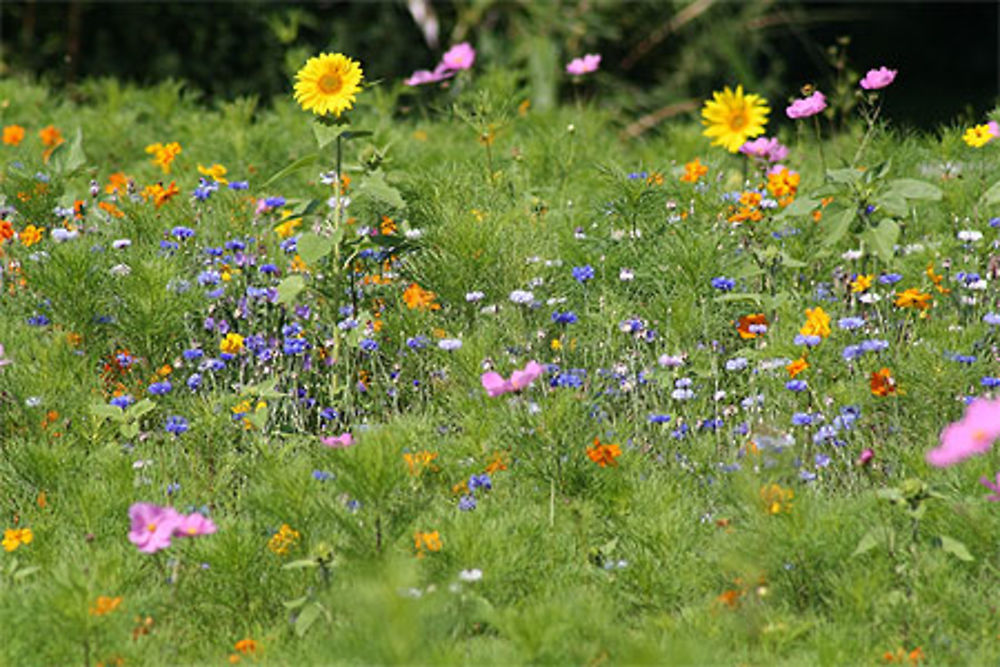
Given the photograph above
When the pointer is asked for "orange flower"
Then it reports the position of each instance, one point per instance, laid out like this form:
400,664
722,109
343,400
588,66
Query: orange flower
104,605
50,136
797,366
388,225
496,464
117,183
937,279
693,171
913,298
31,235
426,542
161,195
604,455
882,383
13,135
6,231
110,209
730,598
163,155
776,499
783,185
755,320
246,646
420,461
417,298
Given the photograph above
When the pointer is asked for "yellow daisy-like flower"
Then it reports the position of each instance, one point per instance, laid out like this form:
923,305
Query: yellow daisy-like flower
327,84
979,136
730,118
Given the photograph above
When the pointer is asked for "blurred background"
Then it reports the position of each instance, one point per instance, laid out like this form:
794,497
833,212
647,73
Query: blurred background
659,57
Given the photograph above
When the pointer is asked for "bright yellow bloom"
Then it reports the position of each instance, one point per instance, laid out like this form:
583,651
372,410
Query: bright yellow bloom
862,282
30,235
817,323
216,171
163,155
283,540
693,171
913,298
417,298
732,118
327,84
784,185
287,228
426,541
13,135
418,461
15,537
232,343
978,136
776,499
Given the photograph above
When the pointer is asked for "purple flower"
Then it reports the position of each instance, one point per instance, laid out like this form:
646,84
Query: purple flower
459,57
152,526
176,425
467,503
160,388
423,76
764,148
879,78
992,486
796,385
583,273
585,65
808,106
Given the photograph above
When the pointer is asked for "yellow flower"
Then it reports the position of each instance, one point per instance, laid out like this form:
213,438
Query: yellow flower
216,171
419,461
862,282
232,343
913,298
283,540
978,136
426,541
30,235
163,155
776,499
784,185
732,118
287,228
104,605
817,323
15,537
327,84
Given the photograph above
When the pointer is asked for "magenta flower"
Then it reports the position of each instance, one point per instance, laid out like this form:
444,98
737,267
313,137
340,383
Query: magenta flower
342,441
807,106
992,486
194,525
866,457
763,148
993,127
152,526
878,78
459,57
495,385
973,434
585,65
422,76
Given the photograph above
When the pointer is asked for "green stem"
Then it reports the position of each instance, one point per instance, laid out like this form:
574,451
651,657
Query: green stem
819,142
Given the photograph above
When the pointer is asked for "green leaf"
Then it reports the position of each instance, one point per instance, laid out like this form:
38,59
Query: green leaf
791,262
738,296
28,571
871,539
313,247
258,418
843,176
307,617
106,411
992,195
375,186
297,602
298,565
883,239
838,227
327,134
298,165
71,157
956,549
893,203
289,288
140,408
801,206
911,188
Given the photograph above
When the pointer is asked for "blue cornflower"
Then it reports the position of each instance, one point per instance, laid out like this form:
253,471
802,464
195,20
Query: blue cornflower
176,425
990,382
193,353
160,388
658,419
889,278
569,317
182,233
39,321
736,364
274,202
635,175
824,433
992,318
964,358
681,431
368,345
467,503
295,345
215,293
209,277
822,460
852,352
268,268
480,482
417,342
874,345
802,419
213,365
213,251
168,245
328,414
239,185
321,475
583,273
723,284
849,323
122,401
290,245
235,244
712,424
808,341
796,385
194,381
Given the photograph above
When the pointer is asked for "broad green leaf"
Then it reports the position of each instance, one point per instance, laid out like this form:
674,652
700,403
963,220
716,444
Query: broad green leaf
26,572
106,411
871,539
141,408
298,165
843,176
791,262
882,239
297,602
289,288
309,615
911,188
298,565
70,157
738,296
305,207
313,247
801,206
838,227
893,203
258,418
375,186
956,549
992,195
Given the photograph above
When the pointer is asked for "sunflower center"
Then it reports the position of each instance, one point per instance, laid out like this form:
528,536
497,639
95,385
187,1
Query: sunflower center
330,83
738,120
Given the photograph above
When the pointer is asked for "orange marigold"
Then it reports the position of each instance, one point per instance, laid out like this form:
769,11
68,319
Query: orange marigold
913,298
417,298
604,455
13,135
882,382
753,325
693,171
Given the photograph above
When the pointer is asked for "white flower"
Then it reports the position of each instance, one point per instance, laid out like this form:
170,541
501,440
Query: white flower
969,235
473,297
61,235
682,394
626,275
852,254
977,285
33,401
489,310
474,574
120,270
869,297
555,301
413,234
121,244
449,344
522,296
671,361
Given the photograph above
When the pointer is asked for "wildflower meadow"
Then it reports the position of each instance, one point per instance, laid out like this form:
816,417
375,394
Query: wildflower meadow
405,370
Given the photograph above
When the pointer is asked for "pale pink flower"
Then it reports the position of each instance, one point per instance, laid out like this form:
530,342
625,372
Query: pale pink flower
194,525
3,358
459,57
878,78
993,126
973,434
152,526
768,149
585,65
422,76
807,106
341,441
495,385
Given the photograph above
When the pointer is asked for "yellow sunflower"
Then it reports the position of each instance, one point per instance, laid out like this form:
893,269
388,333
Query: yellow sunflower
732,118
327,84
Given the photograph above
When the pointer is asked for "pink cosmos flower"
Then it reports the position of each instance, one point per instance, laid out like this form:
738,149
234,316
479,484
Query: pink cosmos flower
152,526
3,358
866,457
878,78
459,57
993,126
766,149
585,65
973,434
992,486
495,385
422,76
342,441
807,106
194,525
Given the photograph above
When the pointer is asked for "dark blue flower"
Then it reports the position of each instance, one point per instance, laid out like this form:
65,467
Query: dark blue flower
176,425
583,273
160,388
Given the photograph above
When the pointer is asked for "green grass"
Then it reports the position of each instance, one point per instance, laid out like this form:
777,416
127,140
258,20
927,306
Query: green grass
670,556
